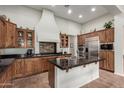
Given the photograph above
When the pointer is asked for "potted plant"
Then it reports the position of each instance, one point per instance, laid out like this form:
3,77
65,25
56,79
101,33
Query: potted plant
108,25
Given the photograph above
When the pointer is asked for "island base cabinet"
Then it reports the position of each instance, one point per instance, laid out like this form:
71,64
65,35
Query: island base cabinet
51,75
76,76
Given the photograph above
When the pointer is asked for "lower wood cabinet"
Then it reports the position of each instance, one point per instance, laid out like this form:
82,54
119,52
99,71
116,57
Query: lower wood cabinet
18,68
30,66
108,63
25,67
6,77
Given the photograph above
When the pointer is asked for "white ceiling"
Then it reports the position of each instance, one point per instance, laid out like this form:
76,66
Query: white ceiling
85,10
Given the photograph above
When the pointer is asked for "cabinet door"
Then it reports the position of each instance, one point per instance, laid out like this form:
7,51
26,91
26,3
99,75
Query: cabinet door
2,34
102,36
81,39
21,38
37,65
110,35
102,63
30,39
10,35
19,68
29,66
110,60
45,65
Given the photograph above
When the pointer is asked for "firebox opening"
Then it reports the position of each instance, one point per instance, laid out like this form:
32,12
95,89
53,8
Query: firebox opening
47,47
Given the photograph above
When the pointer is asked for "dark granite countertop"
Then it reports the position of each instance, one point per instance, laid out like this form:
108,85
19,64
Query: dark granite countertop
69,62
7,60
20,56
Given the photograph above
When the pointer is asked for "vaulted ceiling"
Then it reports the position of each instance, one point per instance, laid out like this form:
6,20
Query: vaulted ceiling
84,10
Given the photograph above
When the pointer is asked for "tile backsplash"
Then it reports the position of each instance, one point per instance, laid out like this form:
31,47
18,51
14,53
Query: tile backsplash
13,51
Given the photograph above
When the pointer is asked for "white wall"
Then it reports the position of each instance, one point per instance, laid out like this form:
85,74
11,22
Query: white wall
22,16
96,24
29,18
68,27
119,44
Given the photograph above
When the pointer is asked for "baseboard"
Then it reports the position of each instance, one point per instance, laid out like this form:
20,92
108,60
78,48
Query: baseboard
119,74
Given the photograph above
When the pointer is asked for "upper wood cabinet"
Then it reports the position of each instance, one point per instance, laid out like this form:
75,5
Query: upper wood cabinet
102,36
7,34
105,36
13,37
20,38
63,40
29,38
24,38
2,34
10,34
109,35
81,39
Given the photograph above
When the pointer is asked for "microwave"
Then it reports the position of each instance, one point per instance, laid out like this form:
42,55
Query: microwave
106,47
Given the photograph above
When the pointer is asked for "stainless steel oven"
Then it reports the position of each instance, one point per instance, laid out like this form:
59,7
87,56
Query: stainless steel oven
107,46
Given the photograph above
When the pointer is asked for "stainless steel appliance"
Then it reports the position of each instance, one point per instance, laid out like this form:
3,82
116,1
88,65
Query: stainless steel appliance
92,46
107,46
81,51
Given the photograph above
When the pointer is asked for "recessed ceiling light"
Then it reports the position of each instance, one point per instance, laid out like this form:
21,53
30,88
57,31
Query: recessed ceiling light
80,16
93,9
69,11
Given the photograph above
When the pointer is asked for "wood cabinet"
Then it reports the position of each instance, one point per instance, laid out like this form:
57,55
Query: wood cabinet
5,78
81,39
105,36
10,35
20,38
7,34
63,40
24,38
2,34
29,38
29,66
102,36
51,75
108,63
19,68
109,35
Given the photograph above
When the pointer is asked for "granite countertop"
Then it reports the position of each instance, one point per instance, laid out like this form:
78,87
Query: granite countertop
7,60
69,62
20,56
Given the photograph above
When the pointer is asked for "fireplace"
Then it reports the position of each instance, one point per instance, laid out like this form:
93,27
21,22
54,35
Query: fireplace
47,47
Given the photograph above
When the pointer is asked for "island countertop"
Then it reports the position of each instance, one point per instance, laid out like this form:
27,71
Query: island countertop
68,62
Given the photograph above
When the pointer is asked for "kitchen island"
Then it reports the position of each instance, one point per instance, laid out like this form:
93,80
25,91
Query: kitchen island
73,72
15,66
